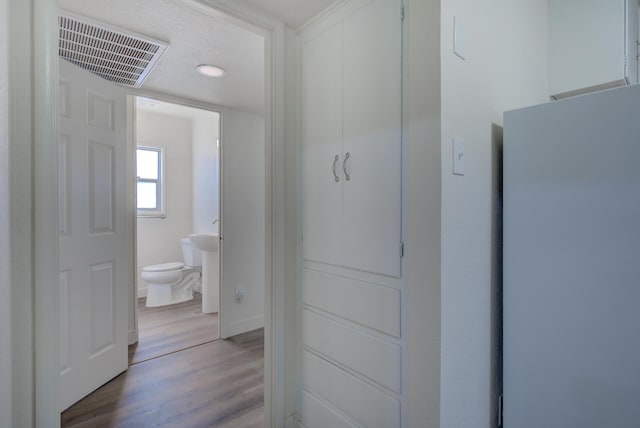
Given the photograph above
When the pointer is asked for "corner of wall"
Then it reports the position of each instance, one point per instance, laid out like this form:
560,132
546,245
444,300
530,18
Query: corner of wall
422,230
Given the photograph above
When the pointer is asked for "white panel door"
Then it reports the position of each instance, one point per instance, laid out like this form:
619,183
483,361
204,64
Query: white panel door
95,252
322,147
372,138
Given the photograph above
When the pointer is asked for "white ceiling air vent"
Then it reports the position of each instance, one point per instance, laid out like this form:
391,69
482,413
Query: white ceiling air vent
114,54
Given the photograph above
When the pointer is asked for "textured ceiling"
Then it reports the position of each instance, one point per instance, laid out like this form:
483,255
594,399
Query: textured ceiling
193,39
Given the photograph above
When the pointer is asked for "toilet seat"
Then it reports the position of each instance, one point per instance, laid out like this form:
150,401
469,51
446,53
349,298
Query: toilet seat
163,267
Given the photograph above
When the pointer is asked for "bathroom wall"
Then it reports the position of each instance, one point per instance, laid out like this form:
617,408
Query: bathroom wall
206,127
243,256
158,239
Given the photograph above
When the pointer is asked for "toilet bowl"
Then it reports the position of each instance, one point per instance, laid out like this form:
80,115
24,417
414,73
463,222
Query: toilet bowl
170,283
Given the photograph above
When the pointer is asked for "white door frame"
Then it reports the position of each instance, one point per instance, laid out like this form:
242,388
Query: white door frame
33,84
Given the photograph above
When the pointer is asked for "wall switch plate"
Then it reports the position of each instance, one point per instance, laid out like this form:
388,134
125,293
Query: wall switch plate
239,294
458,156
458,38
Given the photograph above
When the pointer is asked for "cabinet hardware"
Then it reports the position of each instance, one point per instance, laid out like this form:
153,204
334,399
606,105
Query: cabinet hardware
344,166
335,161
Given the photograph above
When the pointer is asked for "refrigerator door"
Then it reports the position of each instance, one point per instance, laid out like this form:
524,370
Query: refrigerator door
572,263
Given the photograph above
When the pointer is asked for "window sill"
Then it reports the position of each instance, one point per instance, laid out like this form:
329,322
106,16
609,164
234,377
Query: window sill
152,215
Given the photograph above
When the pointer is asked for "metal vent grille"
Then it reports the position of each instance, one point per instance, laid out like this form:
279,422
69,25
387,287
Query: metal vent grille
113,54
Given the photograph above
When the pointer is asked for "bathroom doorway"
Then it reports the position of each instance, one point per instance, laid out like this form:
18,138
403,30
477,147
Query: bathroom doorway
178,194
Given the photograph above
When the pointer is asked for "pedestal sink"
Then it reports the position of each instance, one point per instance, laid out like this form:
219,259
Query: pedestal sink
208,243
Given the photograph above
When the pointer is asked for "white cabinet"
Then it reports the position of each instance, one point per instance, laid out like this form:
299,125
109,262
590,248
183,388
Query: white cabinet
592,45
351,140
351,289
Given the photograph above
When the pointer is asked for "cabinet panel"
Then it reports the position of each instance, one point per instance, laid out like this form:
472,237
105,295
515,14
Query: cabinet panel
322,141
347,345
372,136
592,45
371,305
367,405
317,414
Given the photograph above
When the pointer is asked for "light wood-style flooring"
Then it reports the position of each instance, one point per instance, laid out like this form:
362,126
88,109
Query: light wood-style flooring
215,383
166,329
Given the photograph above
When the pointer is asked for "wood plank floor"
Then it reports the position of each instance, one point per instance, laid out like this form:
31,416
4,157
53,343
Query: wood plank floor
214,384
167,329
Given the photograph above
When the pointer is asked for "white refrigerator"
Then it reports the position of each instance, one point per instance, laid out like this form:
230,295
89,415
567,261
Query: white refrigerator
571,290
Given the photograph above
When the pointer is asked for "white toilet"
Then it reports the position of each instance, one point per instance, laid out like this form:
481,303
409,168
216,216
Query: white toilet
174,282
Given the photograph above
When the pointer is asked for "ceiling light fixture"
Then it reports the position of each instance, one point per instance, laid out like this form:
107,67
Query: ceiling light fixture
211,70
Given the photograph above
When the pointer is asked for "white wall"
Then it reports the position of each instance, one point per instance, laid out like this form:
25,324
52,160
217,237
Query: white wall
5,274
506,68
243,220
158,239
206,189
422,196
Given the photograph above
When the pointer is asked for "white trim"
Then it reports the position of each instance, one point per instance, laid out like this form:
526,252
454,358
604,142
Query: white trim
293,317
247,324
20,119
132,224
6,386
45,187
176,99
45,77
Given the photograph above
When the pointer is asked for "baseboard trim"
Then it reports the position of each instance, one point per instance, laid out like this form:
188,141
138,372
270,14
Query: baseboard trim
142,292
243,326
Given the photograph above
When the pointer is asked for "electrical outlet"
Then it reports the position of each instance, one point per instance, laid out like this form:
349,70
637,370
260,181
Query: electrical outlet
239,294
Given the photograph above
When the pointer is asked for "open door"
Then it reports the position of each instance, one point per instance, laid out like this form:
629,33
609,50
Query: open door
95,253
242,223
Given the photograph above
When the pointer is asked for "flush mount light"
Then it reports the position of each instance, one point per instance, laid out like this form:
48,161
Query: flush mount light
211,70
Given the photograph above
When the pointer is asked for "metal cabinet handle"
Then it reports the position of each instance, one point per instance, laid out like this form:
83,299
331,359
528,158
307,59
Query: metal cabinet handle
335,161
344,166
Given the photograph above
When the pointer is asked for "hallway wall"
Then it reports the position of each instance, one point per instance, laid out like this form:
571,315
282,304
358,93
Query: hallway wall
505,68
244,246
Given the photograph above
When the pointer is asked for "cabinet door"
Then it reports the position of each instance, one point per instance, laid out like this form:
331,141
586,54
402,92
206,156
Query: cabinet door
372,139
322,142
592,45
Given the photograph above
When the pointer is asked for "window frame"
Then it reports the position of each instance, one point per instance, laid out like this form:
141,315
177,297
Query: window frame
159,210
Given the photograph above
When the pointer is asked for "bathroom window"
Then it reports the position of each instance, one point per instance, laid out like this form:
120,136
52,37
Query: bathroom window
149,166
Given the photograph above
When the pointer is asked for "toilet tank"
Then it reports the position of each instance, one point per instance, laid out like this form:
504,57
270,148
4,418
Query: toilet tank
192,256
